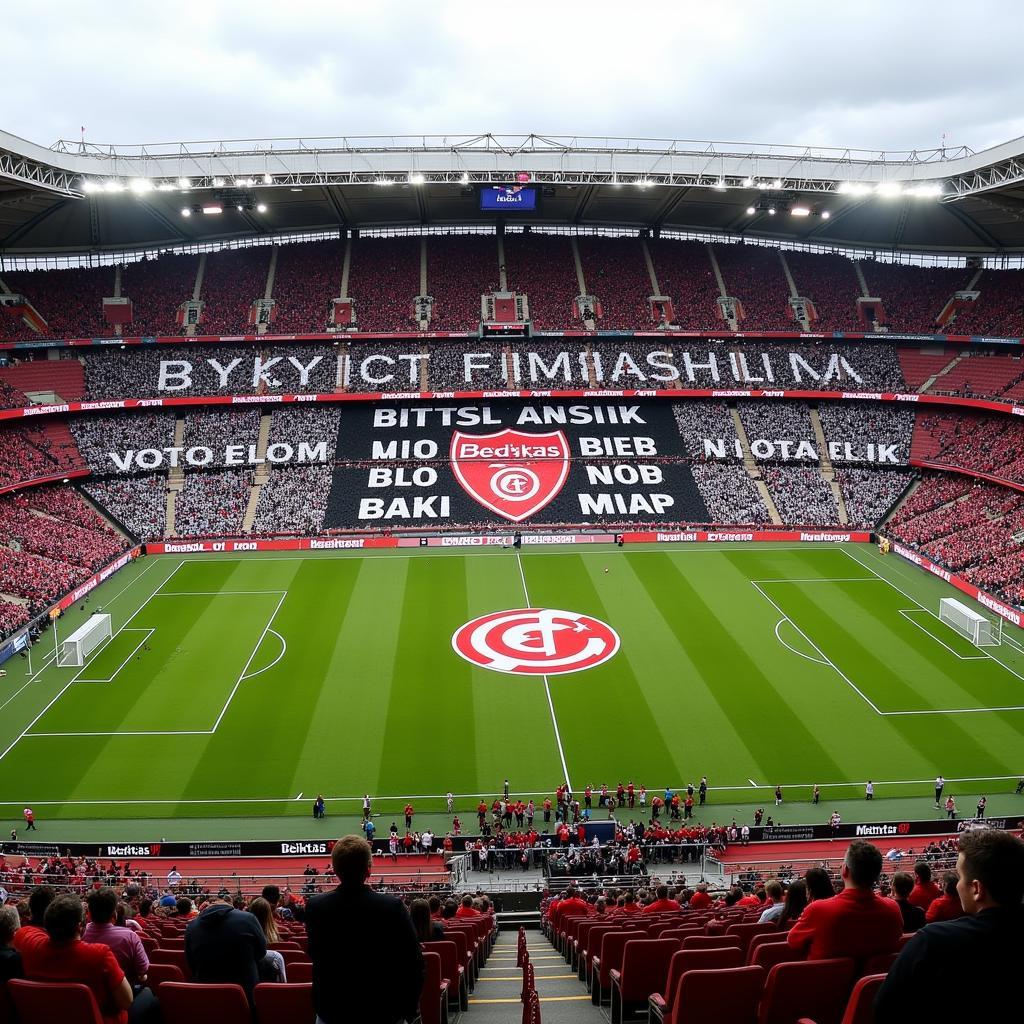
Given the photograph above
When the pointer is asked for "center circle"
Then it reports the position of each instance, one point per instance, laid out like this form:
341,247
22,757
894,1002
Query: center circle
535,641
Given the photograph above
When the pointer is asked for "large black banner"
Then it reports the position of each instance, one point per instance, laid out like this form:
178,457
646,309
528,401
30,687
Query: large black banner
511,463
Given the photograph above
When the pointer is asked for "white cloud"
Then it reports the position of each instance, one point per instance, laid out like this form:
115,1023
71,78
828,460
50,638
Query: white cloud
873,75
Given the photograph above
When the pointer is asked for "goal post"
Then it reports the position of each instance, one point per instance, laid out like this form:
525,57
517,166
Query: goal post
975,626
76,648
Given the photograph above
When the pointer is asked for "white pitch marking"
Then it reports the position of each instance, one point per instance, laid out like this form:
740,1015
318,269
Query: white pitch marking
266,629
908,614
60,693
752,782
789,647
846,679
984,651
299,797
266,668
547,687
113,676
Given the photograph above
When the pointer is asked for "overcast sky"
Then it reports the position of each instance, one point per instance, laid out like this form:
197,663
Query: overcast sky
880,75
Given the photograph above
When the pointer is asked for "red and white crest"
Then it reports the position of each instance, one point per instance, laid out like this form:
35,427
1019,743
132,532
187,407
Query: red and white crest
510,472
536,641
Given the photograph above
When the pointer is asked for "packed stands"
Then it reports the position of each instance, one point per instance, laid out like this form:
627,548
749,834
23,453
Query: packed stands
218,429
10,396
44,449
157,287
775,422
139,503
801,495
448,370
686,276
294,501
541,266
830,282
913,297
986,444
730,495
232,280
753,274
860,425
616,274
999,310
869,493
384,278
212,504
460,268
705,421
99,436
306,279
71,302
294,425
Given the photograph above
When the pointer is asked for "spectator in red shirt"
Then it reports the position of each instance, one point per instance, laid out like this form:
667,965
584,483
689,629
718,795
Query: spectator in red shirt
38,900
925,890
467,909
947,907
408,815
59,954
700,898
858,922
661,903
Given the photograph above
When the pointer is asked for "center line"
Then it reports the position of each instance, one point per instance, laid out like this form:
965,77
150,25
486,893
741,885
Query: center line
547,687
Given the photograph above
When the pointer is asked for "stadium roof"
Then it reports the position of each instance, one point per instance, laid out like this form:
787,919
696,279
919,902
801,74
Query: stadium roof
82,197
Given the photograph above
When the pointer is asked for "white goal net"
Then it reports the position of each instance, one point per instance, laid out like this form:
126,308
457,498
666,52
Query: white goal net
975,626
76,648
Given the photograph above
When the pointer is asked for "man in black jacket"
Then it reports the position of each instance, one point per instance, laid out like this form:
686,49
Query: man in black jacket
367,962
940,972
225,946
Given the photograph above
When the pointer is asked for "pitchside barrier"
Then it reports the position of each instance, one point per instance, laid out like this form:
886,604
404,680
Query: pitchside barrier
313,848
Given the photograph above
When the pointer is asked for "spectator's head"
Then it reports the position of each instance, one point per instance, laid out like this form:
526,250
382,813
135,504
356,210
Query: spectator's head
950,880
702,887
449,910
419,911
264,914
862,865
183,906
435,904
9,924
733,896
661,892
991,870
467,900
102,905
773,890
63,919
38,900
819,885
352,860
902,884
796,900
272,894
923,872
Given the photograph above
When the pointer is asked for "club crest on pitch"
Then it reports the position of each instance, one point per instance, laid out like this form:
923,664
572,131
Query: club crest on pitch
512,473
536,641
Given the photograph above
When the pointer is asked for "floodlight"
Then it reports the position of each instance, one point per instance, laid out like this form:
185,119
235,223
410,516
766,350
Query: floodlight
927,191
751,211
464,179
267,179
218,182
239,207
165,186
261,207
141,185
184,183
801,211
113,186
748,182
90,186
889,189
213,209
777,183
415,178
825,215
719,185
186,212
771,211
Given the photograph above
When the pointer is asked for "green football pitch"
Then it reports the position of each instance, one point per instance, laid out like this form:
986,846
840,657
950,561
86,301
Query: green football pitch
246,685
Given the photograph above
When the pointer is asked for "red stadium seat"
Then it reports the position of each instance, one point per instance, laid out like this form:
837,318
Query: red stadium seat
861,1006
434,997
172,956
729,995
813,988
302,971
880,964
645,964
684,960
745,932
40,1002
768,954
613,945
186,1003
458,992
162,972
711,942
284,1004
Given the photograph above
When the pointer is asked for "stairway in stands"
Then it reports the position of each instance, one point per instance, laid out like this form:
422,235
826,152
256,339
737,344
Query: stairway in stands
563,998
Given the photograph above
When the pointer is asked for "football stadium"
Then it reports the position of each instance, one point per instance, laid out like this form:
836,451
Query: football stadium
598,561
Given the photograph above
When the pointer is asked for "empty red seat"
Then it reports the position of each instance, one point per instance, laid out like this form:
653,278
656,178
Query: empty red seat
645,965
811,988
162,972
458,992
188,1003
745,932
284,1004
710,942
724,995
683,960
613,945
42,1002
172,956
434,997
300,971
763,940
768,954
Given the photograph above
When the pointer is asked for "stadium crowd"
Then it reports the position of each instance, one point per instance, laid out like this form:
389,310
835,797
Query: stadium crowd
801,495
211,504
